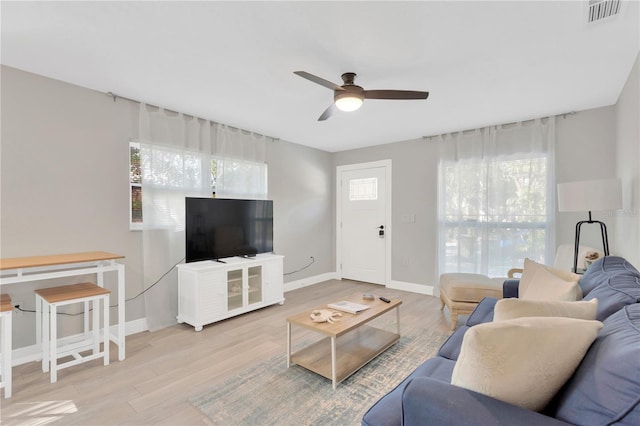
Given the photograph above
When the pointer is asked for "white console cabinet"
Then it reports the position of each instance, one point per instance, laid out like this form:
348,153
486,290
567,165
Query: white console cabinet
210,291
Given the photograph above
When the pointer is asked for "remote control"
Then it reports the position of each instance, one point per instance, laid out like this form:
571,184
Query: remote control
384,299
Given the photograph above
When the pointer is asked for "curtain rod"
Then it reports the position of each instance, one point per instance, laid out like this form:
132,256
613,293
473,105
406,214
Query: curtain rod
115,97
563,115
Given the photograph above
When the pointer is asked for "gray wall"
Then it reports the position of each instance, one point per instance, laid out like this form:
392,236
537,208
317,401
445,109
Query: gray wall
64,183
64,188
585,150
301,186
627,235
414,192
585,144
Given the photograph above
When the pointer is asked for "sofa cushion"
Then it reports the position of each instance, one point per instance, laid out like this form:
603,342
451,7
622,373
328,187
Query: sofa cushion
507,309
430,402
524,361
605,388
603,269
450,349
614,282
388,410
483,312
541,282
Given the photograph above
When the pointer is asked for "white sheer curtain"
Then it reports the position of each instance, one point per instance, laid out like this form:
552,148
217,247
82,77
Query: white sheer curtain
496,198
241,171
175,158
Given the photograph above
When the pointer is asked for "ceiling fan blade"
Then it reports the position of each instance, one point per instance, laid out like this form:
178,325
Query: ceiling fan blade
328,112
318,80
395,94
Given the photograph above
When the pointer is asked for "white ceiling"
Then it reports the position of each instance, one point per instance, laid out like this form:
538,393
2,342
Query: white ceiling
483,63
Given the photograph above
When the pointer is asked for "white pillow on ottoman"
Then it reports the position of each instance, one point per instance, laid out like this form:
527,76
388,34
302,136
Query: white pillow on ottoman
512,308
541,282
523,361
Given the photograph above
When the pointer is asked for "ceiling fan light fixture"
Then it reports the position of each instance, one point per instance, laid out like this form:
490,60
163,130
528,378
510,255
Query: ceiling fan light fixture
348,101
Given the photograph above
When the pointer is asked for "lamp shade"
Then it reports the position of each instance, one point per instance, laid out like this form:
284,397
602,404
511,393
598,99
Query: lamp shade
590,195
348,101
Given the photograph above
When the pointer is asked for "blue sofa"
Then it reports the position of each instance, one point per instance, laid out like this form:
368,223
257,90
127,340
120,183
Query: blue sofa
604,389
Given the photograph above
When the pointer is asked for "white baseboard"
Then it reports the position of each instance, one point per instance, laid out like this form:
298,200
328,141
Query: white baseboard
397,285
31,353
305,282
412,287
133,327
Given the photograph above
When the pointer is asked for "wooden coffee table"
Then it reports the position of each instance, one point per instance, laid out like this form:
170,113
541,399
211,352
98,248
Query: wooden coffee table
350,343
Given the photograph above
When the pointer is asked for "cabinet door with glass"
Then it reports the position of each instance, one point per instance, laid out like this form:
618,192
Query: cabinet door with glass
244,287
254,285
235,289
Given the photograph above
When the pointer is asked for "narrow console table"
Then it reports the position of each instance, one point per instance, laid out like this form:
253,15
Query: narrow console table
36,268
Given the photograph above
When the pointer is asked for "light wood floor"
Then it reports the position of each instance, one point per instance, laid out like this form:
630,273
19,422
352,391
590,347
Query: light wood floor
163,369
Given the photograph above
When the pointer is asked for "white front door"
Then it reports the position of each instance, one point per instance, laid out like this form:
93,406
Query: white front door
363,237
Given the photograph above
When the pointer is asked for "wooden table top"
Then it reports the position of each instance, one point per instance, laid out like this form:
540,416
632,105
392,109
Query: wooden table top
348,321
58,259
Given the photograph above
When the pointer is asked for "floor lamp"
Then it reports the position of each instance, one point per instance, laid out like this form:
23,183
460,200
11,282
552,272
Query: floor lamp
592,195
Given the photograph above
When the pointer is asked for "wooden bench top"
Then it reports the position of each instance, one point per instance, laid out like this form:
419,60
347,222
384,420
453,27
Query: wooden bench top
5,303
70,292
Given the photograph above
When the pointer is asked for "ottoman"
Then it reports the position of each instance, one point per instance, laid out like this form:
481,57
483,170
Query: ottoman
462,292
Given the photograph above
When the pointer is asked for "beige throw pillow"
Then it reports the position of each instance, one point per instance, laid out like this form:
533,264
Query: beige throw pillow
507,309
523,361
541,282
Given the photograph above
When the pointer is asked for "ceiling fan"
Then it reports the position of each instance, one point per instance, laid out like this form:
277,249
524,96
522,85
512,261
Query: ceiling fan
349,96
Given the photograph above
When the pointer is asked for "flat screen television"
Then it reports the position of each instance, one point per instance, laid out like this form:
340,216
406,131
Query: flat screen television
218,228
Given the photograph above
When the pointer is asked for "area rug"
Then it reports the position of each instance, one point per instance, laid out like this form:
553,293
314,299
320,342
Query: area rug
269,393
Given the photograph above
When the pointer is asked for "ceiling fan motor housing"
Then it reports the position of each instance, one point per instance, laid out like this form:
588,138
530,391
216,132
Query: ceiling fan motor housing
349,78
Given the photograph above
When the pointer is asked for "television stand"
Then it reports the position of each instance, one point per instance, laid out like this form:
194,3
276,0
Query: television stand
212,291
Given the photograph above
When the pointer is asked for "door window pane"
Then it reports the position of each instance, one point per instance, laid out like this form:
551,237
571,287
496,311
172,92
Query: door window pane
363,189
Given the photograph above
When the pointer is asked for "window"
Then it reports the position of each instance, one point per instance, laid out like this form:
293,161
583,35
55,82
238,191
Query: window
135,186
238,178
493,214
182,170
363,189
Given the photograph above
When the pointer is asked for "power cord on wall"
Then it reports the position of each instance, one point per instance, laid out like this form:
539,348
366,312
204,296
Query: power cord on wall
303,268
112,306
154,284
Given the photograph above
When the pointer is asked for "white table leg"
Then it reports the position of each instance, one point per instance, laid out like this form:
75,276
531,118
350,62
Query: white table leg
95,331
121,311
6,353
53,342
333,362
39,327
106,328
288,344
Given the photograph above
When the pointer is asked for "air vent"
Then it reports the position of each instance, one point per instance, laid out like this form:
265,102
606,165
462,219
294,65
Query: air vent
602,9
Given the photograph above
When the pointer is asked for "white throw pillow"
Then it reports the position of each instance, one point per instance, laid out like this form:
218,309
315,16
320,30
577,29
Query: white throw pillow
541,282
523,361
512,308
